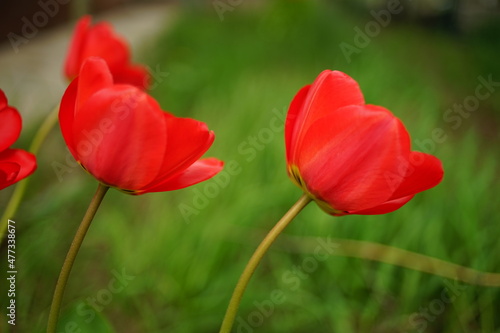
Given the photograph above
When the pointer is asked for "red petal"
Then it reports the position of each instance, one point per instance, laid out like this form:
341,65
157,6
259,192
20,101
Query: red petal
103,42
120,135
94,76
291,121
135,75
25,161
386,207
8,173
3,100
188,140
200,171
345,156
67,116
330,91
10,123
74,58
424,172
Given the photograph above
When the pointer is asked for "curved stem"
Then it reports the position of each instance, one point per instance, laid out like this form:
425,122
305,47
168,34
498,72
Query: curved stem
261,250
395,256
44,130
13,204
70,257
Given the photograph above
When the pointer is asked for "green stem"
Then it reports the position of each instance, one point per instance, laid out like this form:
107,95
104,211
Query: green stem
70,257
13,204
393,256
44,130
261,250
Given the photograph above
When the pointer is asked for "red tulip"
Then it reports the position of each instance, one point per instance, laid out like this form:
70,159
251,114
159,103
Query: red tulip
15,164
350,157
100,40
120,135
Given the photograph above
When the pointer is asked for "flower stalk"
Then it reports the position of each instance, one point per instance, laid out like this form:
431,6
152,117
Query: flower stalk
254,261
71,256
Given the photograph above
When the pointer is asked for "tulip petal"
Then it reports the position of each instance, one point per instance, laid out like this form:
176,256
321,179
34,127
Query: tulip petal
67,115
10,125
120,136
386,207
26,165
199,171
424,172
94,76
345,156
103,42
3,100
188,140
331,91
134,75
100,40
77,44
8,173
291,120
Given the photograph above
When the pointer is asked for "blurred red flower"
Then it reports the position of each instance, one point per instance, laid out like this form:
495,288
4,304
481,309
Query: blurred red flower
350,157
15,164
101,41
120,135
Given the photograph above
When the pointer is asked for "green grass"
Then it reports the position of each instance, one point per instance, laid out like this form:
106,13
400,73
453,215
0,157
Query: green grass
238,75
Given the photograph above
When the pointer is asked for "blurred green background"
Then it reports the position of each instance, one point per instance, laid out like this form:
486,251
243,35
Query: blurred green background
179,254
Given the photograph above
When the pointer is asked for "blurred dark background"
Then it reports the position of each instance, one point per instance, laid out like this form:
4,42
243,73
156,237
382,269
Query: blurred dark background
455,16
57,12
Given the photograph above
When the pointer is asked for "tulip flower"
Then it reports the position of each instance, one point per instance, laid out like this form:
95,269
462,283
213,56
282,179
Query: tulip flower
351,157
15,164
101,41
120,135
